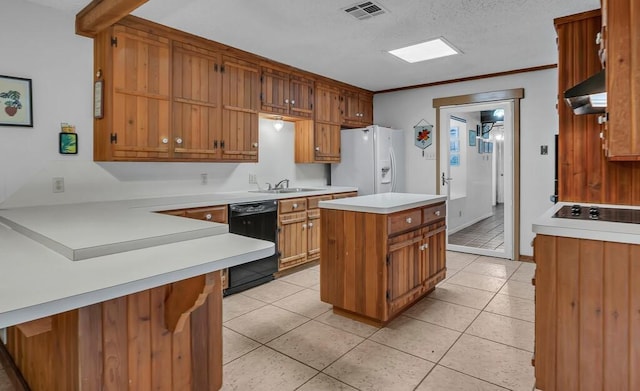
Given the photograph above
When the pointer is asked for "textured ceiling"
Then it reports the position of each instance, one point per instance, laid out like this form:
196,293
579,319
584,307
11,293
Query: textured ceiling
493,35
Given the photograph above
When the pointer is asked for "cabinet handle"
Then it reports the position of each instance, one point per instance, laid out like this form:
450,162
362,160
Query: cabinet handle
215,144
294,206
178,140
598,38
409,220
165,141
437,213
208,216
255,145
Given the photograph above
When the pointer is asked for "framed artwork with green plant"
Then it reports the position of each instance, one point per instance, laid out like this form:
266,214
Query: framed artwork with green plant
68,143
15,101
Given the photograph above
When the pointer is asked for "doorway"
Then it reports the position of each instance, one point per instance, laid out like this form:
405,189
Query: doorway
477,163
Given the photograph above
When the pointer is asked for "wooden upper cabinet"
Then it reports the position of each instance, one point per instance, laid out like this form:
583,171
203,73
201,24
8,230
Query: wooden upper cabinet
327,142
622,34
196,103
286,93
136,108
328,108
357,108
240,105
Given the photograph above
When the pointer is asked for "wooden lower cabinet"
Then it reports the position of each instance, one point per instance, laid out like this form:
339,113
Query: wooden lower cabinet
373,267
587,331
164,338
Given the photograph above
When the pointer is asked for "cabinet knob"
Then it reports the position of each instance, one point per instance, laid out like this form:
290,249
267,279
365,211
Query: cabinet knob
318,149
437,213
409,220
598,38
293,102
255,145
165,141
304,226
294,206
208,216
310,225
178,140
286,101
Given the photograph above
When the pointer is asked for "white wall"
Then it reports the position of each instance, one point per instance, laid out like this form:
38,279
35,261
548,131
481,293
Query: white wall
40,44
538,124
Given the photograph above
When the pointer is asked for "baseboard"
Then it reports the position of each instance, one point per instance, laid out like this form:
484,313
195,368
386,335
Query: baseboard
468,224
527,258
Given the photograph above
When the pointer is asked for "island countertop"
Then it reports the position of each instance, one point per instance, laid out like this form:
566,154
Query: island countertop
383,203
588,229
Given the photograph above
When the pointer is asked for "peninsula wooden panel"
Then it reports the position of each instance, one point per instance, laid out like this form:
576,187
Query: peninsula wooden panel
124,344
584,173
586,314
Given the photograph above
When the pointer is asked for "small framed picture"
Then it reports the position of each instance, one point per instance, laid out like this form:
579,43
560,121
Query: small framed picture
472,137
15,99
68,143
480,146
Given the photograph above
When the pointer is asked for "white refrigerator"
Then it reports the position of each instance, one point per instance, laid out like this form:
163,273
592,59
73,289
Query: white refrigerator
372,159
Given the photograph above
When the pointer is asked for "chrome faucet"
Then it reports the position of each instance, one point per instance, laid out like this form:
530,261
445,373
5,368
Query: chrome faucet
279,184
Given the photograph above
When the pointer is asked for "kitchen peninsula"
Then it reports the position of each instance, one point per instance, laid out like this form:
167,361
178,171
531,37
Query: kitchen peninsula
381,253
111,296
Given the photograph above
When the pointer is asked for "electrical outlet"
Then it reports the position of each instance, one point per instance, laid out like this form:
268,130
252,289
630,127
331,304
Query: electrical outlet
204,178
459,213
252,179
58,185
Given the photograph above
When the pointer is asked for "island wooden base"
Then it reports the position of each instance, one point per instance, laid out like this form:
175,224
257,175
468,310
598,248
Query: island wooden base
376,265
165,338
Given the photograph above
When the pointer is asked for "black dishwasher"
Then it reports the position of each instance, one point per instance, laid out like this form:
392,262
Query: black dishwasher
256,220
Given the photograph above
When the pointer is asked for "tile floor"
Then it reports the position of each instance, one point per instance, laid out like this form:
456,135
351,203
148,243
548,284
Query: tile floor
474,332
487,233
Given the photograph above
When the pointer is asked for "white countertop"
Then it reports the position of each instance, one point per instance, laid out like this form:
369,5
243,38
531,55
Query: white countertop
383,203
122,248
588,229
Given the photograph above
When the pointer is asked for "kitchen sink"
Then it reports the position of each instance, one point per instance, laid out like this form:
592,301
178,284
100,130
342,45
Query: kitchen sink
285,190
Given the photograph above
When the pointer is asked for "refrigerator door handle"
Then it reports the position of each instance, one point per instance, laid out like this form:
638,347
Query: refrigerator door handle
393,169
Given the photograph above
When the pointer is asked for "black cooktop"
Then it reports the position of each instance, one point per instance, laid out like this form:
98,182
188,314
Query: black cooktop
616,215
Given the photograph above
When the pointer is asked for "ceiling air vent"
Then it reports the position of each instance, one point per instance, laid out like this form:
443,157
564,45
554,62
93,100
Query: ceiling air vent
365,10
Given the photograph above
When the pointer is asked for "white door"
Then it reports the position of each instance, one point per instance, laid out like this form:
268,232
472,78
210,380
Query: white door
465,202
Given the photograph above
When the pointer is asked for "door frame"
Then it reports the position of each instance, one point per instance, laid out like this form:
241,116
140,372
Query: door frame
513,95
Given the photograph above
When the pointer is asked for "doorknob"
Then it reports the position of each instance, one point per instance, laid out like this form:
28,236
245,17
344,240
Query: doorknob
445,180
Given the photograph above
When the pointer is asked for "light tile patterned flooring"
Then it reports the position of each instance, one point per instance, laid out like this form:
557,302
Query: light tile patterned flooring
474,332
487,233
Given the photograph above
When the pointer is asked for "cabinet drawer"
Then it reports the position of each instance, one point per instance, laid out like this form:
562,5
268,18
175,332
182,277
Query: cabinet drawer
345,195
434,213
403,221
293,205
216,214
313,214
312,202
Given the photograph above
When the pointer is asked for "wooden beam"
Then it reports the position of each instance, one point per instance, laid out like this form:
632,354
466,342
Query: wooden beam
100,14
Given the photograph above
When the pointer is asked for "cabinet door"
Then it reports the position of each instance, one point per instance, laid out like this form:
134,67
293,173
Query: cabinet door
365,103
300,96
240,93
196,103
327,105
404,271
327,142
140,90
432,255
313,234
292,239
351,107
274,97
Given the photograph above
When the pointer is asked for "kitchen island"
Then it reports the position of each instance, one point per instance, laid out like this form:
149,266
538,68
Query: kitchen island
381,253
587,308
